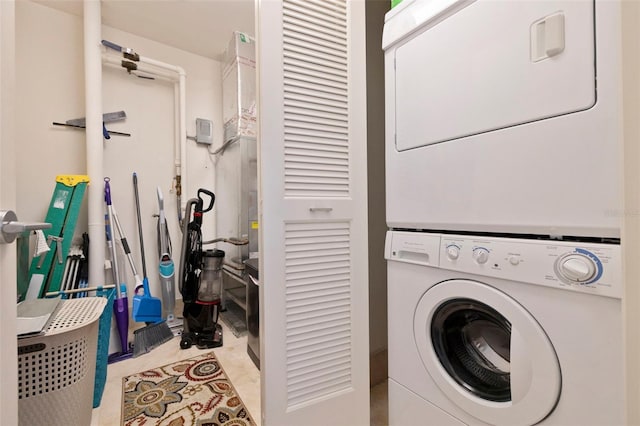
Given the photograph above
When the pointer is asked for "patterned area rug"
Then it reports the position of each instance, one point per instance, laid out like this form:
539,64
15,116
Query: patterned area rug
195,391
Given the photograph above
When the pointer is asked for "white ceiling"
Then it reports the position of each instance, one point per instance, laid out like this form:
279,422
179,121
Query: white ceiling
202,27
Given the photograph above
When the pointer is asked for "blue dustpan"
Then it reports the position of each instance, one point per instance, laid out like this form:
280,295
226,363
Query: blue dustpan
146,308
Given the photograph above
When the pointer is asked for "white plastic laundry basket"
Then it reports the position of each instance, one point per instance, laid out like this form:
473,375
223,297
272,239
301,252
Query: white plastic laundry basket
56,370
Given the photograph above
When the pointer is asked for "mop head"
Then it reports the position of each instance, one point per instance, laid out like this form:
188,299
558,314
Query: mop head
150,337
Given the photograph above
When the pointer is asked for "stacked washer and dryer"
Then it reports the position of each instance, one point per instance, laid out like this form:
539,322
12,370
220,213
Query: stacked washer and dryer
504,203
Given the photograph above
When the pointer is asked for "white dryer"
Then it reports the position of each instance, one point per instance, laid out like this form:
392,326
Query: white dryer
504,116
503,331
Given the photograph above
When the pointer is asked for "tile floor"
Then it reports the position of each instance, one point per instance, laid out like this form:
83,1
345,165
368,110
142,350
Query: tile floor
232,355
234,359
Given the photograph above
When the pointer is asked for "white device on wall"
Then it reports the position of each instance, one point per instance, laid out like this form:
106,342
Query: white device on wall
494,120
204,131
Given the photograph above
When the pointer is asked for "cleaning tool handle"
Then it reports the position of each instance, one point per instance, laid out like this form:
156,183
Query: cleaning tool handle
145,285
127,52
107,191
79,290
111,235
112,251
112,45
212,199
137,198
105,132
161,205
125,245
106,135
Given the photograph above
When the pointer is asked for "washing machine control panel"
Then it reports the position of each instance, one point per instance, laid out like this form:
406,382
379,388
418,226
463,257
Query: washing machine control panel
584,267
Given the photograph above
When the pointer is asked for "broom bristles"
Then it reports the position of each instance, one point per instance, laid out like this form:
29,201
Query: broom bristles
150,337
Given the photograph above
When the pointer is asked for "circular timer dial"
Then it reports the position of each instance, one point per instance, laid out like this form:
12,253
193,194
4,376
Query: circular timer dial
578,268
481,255
453,252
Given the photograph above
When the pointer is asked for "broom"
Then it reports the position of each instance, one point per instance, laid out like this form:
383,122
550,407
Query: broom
145,307
158,332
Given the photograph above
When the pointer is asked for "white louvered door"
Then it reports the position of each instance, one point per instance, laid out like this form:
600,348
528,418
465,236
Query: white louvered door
313,223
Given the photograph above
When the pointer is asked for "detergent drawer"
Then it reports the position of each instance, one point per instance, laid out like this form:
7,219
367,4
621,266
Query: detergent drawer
490,65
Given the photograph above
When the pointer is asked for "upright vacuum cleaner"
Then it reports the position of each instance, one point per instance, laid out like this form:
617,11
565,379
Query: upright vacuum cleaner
200,280
166,267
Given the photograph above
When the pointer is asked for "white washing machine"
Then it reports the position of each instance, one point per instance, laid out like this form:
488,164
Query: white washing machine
501,331
504,116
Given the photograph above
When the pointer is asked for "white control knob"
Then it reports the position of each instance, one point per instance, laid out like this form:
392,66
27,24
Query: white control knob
453,252
481,255
514,260
577,268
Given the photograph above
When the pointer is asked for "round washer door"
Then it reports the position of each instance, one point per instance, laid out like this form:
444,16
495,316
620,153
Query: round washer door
487,353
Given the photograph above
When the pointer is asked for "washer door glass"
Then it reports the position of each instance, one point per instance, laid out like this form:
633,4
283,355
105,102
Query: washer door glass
472,341
487,353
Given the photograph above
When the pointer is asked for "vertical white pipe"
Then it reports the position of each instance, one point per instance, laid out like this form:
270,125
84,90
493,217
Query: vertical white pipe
177,146
94,141
183,139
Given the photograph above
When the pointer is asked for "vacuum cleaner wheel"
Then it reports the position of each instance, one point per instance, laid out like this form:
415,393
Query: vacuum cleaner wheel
186,342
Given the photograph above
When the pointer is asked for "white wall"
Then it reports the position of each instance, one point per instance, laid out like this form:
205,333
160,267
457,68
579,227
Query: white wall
50,84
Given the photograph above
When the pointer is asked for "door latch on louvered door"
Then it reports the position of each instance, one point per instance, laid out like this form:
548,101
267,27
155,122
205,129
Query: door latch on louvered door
10,228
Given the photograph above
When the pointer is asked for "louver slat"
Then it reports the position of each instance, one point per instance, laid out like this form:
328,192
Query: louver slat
315,98
315,102
321,137
319,144
321,360
317,9
321,27
318,325
307,315
306,41
306,69
312,390
315,52
308,87
318,313
325,93
304,312
318,117
321,85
